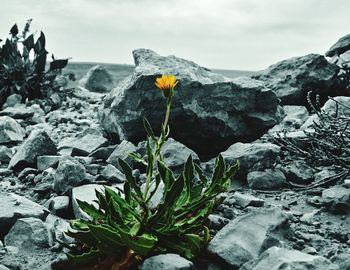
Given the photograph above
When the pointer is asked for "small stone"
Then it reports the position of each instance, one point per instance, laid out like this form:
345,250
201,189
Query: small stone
10,130
28,233
337,199
112,174
245,200
266,180
121,151
37,144
167,262
69,174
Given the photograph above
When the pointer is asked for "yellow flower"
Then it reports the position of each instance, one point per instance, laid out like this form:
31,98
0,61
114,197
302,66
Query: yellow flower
166,82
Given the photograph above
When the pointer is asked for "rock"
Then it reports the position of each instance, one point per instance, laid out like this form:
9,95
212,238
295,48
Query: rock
276,258
197,117
294,119
20,111
337,107
28,233
37,144
245,200
25,172
291,79
121,151
340,47
325,174
10,130
83,146
112,174
337,199
14,207
175,154
12,100
298,172
103,152
5,153
167,261
252,156
246,237
45,162
2,267
69,174
97,79
217,222
59,206
270,179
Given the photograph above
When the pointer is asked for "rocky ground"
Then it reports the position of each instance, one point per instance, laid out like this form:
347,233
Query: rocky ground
50,158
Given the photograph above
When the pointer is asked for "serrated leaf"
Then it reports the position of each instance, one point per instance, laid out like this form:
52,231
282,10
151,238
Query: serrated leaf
127,170
140,244
108,237
85,258
91,210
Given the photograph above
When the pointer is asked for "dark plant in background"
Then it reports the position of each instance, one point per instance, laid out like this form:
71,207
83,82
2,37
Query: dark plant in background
327,143
345,76
23,66
124,228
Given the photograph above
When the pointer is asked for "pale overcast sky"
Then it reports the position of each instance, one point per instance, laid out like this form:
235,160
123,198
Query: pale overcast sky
231,34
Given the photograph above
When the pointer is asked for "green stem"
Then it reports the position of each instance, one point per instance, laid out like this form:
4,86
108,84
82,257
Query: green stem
158,146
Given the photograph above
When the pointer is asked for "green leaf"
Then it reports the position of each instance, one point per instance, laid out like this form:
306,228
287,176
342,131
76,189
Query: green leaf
122,206
127,170
169,203
232,170
137,157
189,176
140,244
201,175
85,258
195,242
108,237
149,129
127,192
82,236
166,175
91,210
149,169
175,244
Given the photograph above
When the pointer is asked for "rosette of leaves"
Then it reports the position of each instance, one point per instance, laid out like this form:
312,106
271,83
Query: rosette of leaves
123,223
23,66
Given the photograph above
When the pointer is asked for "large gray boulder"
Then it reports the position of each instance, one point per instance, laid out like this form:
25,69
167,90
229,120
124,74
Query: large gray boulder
276,258
245,238
97,79
206,108
291,79
10,130
340,47
37,144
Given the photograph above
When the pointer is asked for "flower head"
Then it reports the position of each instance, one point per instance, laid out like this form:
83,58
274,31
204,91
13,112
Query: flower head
166,83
